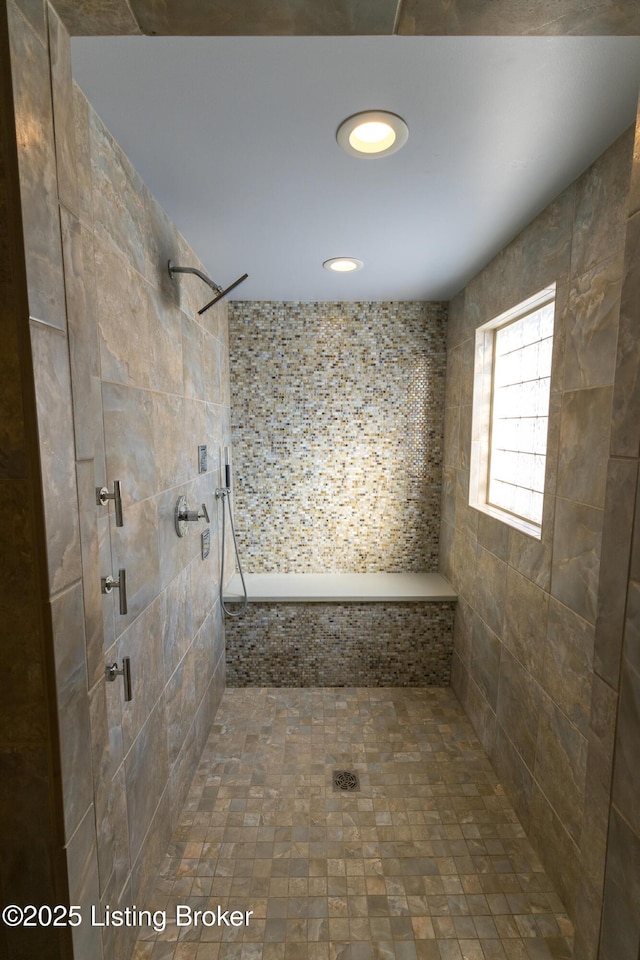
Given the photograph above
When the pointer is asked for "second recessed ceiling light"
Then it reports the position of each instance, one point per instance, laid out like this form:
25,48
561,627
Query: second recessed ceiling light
374,133
343,264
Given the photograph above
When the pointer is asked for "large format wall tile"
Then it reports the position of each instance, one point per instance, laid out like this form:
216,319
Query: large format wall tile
165,361
621,909
118,196
105,795
519,704
53,395
514,774
485,660
77,248
464,17
83,887
81,110
38,180
626,780
557,612
621,927
561,854
525,621
568,663
592,326
142,642
602,195
134,548
287,18
123,318
576,557
625,427
64,126
147,773
616,547
73,706
582,467
129,439
560,766
108,268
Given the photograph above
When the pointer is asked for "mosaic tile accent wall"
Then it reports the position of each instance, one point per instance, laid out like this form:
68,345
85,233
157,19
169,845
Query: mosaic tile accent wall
341,645
337,420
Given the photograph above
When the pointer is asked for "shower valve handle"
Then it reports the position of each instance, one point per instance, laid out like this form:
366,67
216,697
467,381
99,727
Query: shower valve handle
194,515
108,584
184,515
111,672
103,495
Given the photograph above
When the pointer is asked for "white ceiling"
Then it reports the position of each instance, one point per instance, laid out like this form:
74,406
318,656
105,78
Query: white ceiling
235,136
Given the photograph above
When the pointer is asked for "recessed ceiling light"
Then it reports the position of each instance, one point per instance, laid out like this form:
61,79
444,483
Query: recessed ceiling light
343,264
374,133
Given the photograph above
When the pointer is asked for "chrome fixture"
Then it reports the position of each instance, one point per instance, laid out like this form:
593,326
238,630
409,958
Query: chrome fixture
205,543
183,515
111,672
108,584
103,495
223,494
217,289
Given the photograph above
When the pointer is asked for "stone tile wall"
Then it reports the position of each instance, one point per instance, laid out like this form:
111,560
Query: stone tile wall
30,800
463,17
530,611
337,412
410,17
128,382
341,645
617,641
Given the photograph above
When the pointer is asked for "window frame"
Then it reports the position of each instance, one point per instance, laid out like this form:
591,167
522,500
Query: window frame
482,410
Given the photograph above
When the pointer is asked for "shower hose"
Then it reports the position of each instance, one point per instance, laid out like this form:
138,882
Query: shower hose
225,496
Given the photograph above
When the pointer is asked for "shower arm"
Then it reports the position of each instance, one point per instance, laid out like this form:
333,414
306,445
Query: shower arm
217,289
198,273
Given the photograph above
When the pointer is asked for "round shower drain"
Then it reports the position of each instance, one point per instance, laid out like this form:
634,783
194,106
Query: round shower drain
345,780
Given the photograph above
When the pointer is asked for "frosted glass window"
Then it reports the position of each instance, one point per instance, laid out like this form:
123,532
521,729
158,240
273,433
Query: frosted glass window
511,407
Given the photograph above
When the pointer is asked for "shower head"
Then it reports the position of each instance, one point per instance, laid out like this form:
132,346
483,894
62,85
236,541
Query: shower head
222,293
219,292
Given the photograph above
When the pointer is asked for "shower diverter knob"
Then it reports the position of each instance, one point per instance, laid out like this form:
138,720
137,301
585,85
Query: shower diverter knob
183,515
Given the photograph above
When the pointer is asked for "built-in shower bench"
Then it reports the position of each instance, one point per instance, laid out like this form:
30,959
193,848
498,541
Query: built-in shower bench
347,629
341,588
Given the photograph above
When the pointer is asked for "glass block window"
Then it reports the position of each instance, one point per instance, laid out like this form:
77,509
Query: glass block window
510,416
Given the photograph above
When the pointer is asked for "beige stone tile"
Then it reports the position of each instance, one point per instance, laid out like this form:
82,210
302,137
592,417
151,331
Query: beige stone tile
616,545
568,663
286,19
582,468
601,210
576,557
55,425
462,17
38,179
388,889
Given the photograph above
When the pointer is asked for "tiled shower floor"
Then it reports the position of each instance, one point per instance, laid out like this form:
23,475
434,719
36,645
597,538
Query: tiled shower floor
427,861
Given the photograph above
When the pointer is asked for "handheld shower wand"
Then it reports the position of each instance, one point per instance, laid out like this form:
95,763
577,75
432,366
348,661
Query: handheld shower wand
224,494
227,470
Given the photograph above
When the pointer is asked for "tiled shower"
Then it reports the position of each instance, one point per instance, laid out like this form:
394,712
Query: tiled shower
546,634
